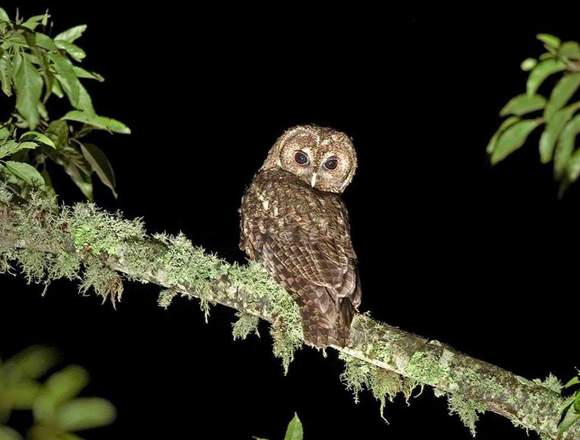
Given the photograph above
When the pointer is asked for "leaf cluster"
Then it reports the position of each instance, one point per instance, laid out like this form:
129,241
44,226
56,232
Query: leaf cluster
556,111
57,411
571,406
35,68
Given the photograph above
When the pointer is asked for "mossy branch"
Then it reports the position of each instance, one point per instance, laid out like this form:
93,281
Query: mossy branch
82,242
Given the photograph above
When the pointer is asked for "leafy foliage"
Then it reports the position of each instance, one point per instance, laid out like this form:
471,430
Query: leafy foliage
35,67
557,113
294,430
56,409
571,406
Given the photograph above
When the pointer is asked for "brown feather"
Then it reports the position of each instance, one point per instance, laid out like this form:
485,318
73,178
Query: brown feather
302,237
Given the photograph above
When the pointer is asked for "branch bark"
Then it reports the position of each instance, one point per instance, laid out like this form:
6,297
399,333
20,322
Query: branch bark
49,242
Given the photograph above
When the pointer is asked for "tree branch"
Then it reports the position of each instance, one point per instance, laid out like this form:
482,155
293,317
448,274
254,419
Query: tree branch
82,242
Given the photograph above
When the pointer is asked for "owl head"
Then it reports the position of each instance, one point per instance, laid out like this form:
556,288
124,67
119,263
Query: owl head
321,157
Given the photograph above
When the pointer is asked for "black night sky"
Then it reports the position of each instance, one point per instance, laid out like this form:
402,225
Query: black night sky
481,258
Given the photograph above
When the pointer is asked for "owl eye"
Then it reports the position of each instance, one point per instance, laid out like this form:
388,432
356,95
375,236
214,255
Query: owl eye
301,158
331,163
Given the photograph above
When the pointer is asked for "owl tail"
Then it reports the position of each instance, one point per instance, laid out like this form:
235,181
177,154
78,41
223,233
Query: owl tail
319,332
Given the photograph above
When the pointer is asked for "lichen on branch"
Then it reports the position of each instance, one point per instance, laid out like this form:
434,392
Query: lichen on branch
45,241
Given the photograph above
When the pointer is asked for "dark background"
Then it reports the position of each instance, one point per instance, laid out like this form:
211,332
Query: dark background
481,258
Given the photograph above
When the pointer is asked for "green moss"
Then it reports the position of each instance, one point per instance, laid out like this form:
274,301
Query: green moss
486,385
5,266
551,382
263,294
106,282
408,385
40,267
85,235
98,232
40,223
284,344
32,264
245,325
5,195
425,368
468,410
61,242
383,384
355,376
64,265
537,405
166,297
186,267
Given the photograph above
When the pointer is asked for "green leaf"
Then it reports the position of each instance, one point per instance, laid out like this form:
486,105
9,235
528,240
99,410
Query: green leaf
577,403
67,383
6,75
25,172
45,70
16,39
72,49
38,432
7,433
569,419
44,41
572,172
565,145
23,394
99,122
57,89
294,431
82,73
71,34
4,133
566,403
66,76
505,124
48,186
38,137
58,132
32,362
528,64
85,413
42,111
100,165
512,139
81,180
85,102
570,49
11,147
35,20
28,83
549,40
542,71
563,91
58,389
522,104
574,381
552,131
4,15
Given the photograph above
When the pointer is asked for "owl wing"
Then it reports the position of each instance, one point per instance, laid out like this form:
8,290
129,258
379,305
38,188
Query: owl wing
323,257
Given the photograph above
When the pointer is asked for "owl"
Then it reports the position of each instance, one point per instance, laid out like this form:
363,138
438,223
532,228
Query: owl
294,222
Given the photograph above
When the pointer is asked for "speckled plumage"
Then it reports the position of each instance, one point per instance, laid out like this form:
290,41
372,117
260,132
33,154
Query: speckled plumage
298,227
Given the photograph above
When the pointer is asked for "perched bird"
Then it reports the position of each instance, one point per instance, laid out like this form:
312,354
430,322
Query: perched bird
294,222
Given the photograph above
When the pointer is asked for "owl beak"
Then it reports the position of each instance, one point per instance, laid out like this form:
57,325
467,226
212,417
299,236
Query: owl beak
313,180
